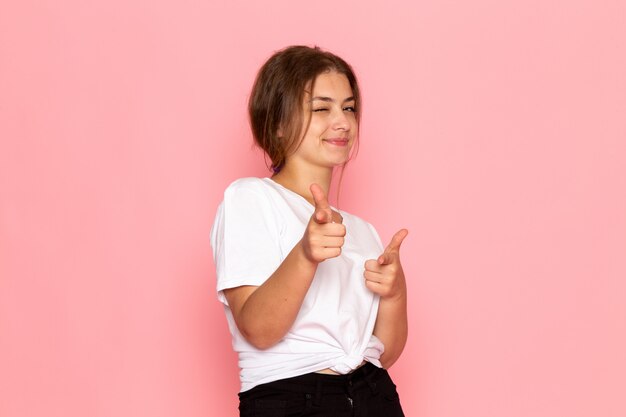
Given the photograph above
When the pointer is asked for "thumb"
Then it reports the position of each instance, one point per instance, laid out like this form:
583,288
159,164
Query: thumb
323,213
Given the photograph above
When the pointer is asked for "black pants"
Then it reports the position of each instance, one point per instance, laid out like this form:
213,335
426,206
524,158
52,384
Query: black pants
366,392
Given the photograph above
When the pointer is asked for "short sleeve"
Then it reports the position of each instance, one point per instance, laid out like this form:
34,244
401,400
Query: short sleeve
245,237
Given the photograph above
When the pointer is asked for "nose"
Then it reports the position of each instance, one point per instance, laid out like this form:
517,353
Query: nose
341,121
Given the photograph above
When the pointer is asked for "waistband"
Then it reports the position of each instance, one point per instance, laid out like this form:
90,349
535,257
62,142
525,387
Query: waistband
365,375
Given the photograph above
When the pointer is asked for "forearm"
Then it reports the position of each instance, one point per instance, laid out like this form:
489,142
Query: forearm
392,328
269,312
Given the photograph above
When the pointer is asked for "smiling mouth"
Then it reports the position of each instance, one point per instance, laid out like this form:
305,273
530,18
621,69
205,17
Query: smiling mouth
337,142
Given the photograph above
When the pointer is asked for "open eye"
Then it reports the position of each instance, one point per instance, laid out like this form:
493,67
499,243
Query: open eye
350,109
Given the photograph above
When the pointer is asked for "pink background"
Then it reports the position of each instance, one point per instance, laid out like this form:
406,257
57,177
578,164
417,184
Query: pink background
494,131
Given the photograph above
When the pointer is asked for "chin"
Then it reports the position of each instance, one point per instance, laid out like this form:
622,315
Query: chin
336,164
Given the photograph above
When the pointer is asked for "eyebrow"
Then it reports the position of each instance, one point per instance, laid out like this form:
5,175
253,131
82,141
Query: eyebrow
330,100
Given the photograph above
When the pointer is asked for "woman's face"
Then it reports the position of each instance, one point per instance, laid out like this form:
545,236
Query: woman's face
333,125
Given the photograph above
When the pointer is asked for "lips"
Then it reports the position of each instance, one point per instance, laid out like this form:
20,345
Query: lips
337,141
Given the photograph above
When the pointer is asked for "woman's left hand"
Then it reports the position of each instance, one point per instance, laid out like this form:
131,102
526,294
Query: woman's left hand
384,276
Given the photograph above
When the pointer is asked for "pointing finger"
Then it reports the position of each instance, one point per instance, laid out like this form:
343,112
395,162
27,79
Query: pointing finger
396,241
319,196
323,213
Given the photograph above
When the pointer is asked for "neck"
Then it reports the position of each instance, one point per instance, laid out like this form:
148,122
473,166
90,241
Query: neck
299,181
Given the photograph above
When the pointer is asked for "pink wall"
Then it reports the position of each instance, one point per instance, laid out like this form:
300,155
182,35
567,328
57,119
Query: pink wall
494,132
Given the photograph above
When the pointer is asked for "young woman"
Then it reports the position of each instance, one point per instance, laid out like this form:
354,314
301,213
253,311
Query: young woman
315,304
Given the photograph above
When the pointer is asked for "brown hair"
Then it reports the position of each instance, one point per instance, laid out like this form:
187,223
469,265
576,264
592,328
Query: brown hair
278,93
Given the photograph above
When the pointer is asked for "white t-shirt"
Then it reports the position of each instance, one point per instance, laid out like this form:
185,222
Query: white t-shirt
255,228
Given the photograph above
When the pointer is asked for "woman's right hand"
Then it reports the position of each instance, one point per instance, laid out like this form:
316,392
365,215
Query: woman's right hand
324,235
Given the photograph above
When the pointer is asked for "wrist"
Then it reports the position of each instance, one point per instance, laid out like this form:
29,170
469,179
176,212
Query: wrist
304,261
399,297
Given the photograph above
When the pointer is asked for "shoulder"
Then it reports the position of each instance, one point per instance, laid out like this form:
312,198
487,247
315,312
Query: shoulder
250,193
246,184
247,188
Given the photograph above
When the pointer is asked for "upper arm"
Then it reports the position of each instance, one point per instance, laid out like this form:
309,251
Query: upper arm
246,242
